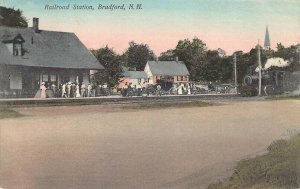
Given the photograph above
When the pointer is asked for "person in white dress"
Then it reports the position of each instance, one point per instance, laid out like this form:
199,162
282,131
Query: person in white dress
69,84
188,89
77,93
158,90
43,90
83,92
63,91
180,88
89,90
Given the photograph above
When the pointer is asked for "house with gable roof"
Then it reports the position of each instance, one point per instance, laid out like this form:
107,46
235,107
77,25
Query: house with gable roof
134,78
167,71
30,56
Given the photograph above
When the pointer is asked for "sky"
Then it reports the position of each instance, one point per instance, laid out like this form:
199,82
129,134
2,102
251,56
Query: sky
228,24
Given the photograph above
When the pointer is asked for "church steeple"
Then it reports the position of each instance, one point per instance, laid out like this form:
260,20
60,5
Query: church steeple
267,44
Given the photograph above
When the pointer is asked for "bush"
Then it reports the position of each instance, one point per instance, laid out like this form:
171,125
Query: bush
279,168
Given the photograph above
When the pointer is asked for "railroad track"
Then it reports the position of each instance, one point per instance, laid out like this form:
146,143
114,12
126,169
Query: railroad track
119,100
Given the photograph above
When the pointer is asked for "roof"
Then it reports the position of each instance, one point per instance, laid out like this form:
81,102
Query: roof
47,49
135,74
171,68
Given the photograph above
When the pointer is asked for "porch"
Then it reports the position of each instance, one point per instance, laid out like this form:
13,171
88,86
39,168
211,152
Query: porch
22,81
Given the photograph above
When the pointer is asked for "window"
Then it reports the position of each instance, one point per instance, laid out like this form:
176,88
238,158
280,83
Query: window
139,80
17,49
179,78
53,78
37,77
45,77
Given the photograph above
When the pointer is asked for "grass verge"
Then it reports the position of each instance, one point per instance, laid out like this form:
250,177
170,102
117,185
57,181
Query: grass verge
278,169
68,102
159,105
5,112
283,98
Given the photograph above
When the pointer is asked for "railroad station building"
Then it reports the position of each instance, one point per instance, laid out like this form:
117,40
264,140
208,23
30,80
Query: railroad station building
30,56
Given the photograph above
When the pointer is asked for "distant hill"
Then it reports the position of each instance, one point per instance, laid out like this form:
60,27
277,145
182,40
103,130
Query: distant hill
12,17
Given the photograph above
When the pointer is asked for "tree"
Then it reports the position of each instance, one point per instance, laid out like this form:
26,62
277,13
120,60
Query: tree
137,55
11,17
203,64
112,64
193,54
210,69
226,69
216,68
280,47
291,54
169,55
246,63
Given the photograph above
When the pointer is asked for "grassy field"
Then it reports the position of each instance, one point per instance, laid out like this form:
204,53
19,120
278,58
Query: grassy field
278,169
5,112
158,105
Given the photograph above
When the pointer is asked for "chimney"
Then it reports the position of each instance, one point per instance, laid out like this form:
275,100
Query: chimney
176,59
35,25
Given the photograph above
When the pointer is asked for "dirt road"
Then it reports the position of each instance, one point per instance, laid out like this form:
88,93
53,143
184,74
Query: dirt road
110,148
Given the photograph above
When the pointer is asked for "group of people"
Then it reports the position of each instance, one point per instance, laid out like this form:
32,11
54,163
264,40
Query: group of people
73,90
182,88
144,88
65,90
130,89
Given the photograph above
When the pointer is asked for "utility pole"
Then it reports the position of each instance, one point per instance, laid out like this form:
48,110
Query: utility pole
259,70
235,74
